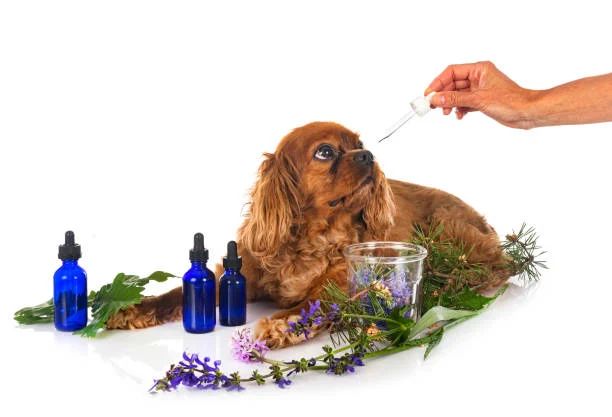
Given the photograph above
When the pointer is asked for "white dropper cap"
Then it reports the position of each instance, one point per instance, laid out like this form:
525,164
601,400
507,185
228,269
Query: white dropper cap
422,105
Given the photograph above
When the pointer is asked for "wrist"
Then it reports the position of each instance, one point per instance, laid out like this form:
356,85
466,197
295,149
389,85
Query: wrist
531,109
539,111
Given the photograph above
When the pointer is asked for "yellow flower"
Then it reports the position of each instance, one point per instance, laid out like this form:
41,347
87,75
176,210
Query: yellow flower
381,290
373,330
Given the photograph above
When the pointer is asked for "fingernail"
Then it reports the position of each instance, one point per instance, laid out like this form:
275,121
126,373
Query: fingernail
442,99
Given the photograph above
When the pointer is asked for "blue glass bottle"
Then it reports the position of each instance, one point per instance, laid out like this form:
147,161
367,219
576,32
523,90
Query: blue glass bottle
232,290
70,288
199,296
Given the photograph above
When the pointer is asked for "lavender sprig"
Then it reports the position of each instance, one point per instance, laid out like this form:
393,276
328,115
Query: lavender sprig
195,373
368,341
314,317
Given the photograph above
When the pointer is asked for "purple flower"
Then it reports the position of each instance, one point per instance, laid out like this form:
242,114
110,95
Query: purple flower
344,364
308,319
282,382
188,361
196,373
176,381
362,278
356,359
334,312
190,380
245,348
391,287
400,288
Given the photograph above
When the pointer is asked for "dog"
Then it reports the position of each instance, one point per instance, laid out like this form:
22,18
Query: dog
320,191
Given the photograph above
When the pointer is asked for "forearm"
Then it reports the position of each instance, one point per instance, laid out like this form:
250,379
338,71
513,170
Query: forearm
588,100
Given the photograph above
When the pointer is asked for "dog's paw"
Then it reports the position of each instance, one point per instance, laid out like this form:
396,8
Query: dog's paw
275,332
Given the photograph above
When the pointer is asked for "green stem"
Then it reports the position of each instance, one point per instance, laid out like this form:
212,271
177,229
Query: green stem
373,318
271,361
388,351
281,363
310,368
318,368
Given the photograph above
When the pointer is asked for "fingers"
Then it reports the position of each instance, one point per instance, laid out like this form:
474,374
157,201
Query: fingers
450,99
460,85
449,78
460,112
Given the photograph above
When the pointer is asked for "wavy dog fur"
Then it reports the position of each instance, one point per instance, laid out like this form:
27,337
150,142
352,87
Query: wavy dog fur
317,193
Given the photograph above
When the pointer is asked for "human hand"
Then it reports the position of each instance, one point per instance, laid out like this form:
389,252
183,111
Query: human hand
482,87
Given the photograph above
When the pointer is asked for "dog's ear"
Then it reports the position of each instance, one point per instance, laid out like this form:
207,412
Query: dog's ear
379,211
273,209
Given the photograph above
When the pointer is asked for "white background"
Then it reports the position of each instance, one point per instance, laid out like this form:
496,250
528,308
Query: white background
138,123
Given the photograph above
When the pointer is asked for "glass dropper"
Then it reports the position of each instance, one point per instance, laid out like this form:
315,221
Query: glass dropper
419,106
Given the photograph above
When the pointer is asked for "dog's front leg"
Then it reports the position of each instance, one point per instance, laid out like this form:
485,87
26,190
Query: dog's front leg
275,330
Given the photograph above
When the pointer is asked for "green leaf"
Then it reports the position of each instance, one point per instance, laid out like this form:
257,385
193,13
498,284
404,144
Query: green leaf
436,315
439,314
123,292
466,299
111,298
435,341
158,276
399,329
41,313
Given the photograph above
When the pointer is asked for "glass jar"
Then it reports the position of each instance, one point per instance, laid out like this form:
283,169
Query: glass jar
392,271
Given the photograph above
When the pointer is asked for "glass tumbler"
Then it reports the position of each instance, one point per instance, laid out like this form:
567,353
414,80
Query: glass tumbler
387,276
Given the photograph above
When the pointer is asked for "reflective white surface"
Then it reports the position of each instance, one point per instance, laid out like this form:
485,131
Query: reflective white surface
137,123
126,362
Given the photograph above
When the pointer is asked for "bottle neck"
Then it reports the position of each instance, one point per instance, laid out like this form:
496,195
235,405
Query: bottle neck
198,264
231,271
70,262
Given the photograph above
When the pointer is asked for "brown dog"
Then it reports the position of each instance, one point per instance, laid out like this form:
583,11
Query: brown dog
319,192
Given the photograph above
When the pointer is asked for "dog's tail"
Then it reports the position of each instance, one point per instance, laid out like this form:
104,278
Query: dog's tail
151,311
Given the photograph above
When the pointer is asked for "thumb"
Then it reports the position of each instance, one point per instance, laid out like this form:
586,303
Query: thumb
455,99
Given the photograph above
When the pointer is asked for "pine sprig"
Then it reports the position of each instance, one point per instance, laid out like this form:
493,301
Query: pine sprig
447,264
524,253
449,277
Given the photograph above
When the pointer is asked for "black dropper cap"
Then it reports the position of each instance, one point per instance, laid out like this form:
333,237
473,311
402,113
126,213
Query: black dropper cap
69,250
199,253
232,260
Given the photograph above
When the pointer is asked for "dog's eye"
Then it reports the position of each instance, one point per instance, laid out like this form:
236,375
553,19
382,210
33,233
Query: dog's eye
325,152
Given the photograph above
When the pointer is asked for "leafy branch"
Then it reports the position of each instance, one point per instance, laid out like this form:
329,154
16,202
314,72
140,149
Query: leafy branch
123,292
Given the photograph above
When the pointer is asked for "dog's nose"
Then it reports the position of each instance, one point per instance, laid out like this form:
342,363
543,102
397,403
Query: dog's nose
364,158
